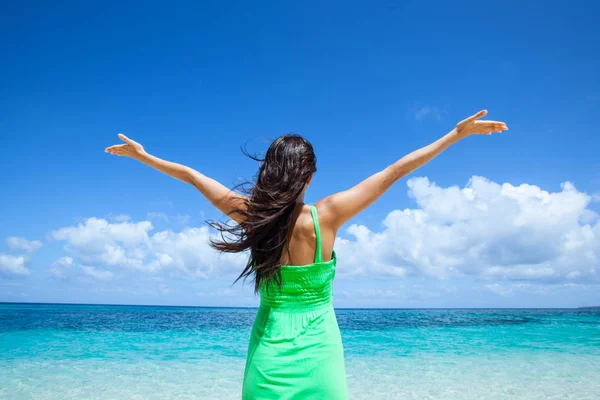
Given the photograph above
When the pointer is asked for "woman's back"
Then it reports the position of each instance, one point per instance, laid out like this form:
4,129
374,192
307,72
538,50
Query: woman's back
302,239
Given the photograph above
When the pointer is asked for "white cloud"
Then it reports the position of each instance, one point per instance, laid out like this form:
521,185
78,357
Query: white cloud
62,268
219,293
13,265
97,274
132,245
163,289
499,289
99,241
23,245
378,293
532,288
423,112
18,264
67,269
486,230
158,215
177,219
121,218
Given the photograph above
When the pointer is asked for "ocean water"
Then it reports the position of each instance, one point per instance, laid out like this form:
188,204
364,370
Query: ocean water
137,352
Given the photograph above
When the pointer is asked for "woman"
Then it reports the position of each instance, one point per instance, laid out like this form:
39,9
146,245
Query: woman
295,349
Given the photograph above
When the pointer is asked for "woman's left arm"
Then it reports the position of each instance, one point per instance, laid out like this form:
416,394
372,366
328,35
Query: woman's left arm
219,195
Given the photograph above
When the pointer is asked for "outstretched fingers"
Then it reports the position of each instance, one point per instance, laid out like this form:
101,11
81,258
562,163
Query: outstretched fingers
491,123
117,149
489,127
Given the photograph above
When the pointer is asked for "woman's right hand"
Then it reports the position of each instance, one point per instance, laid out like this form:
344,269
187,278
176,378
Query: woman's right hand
131,148
472,126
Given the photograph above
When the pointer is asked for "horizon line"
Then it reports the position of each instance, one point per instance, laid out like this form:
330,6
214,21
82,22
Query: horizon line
338,308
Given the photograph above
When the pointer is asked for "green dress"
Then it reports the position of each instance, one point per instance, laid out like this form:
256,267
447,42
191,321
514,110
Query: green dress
295,350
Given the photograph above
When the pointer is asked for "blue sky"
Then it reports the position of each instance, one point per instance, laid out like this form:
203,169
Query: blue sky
365,83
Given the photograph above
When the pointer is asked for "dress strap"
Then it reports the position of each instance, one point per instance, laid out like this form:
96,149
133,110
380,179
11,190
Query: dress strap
318,249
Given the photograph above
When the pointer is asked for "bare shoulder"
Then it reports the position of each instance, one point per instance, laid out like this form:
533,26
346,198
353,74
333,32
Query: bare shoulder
303,226
327,217
304,220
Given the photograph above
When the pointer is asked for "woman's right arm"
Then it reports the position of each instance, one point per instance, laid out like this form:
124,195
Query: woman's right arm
338,208
223,198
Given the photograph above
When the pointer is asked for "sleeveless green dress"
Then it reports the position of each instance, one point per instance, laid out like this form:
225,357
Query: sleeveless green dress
295,350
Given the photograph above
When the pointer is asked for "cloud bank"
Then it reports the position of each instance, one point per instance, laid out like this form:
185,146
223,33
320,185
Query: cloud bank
102,249
484,230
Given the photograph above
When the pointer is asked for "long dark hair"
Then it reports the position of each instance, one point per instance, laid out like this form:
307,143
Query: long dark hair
268,212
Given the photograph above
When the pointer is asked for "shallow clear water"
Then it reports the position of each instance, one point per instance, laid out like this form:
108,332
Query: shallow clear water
132,352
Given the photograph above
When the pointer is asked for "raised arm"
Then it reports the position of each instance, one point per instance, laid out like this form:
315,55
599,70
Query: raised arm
219,195
340,207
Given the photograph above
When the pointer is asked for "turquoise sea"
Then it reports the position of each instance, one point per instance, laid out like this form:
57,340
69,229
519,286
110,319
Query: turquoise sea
145,352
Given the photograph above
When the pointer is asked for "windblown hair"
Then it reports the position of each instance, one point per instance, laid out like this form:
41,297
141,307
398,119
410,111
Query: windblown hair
268,213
